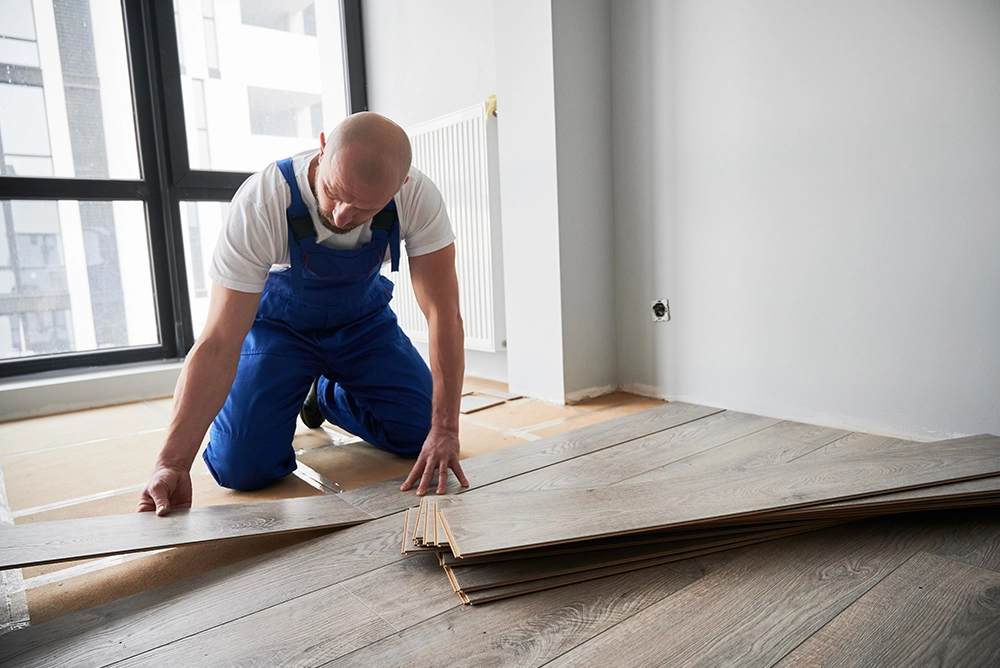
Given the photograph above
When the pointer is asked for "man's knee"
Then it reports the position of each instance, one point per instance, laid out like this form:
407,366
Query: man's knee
246,467
405,438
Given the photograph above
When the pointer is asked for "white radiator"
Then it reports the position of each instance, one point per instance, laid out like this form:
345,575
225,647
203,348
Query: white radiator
458,153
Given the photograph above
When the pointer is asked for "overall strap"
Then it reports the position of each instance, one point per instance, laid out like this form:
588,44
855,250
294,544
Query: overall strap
297,212
386,221
300,224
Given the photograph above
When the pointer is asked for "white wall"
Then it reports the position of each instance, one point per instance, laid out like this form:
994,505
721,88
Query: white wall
581,38
428,58
529,198
425,59
822,180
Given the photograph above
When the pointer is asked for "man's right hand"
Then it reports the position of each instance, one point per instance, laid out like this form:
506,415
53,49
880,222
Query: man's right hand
167,489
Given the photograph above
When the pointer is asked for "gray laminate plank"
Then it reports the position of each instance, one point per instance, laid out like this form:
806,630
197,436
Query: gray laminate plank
405,592
500,592
496,574
762,449
627,540
759,607
931,611
975,540
487,469
571,515
307,631
47,542
473,402
124,628
623,461
527,631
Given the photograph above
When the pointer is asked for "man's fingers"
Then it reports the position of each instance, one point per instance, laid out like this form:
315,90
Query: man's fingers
414,474
457,468
161,497
442,478
145,504
425,480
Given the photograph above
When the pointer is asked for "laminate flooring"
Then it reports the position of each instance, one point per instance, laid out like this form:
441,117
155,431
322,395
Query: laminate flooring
62,540
352,598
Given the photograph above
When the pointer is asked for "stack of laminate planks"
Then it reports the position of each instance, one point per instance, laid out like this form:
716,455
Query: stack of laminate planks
497,543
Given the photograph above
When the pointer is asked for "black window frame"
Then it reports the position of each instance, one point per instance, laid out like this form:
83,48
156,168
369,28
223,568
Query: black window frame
167,180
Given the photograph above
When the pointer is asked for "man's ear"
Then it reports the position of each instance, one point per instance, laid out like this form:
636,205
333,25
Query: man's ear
322,143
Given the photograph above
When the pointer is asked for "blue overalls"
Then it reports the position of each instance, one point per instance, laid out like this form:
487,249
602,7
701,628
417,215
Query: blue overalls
326,316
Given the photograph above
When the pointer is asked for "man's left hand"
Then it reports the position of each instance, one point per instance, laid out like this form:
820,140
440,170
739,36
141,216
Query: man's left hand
439,453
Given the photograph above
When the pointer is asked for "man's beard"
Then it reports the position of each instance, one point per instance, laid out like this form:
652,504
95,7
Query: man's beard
328,224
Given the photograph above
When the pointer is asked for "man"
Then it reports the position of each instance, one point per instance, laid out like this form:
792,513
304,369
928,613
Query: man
331,218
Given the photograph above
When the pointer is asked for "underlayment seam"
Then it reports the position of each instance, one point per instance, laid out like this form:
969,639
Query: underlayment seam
13,600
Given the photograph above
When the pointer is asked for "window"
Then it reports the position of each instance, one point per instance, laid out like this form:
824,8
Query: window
103,254
266,86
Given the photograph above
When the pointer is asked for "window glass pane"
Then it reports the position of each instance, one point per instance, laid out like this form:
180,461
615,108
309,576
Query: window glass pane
261,79
66,102
18,52
201,223
74,276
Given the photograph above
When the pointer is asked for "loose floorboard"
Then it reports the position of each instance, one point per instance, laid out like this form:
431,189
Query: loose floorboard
472,577
475,529
62,540
931,611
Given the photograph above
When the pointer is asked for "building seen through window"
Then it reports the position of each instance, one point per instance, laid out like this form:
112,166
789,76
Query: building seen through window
260,80
66,111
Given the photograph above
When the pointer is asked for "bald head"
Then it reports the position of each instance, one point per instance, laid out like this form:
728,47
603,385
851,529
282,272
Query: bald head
371,147
361,165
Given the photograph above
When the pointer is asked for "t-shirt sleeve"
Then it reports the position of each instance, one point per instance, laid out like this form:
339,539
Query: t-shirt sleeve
250,243
422,211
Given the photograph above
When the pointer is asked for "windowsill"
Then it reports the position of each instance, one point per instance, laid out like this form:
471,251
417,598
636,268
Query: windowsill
48,394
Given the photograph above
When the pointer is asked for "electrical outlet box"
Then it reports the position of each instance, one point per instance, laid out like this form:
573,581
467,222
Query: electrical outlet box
661,310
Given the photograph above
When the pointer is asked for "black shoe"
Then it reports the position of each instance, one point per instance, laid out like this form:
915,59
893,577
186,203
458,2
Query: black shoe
311,416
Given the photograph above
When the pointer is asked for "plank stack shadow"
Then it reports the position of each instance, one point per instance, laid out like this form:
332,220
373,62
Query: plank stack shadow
500,544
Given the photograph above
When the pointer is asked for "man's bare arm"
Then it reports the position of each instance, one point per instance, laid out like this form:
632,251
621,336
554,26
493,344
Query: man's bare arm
202,388
435,285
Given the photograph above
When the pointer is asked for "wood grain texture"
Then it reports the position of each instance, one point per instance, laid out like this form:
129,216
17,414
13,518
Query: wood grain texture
384,498
527,631
130,626
306,631
47,542
634,457
931,611
760,606
405,592
571,515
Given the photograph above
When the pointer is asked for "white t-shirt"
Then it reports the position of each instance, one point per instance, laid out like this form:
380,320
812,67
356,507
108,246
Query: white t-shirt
255,237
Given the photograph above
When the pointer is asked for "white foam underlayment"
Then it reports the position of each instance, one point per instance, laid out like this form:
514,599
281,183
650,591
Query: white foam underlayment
13,601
